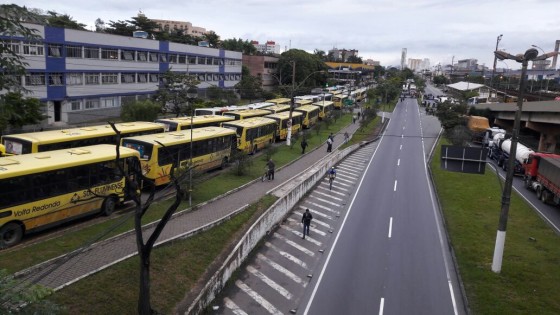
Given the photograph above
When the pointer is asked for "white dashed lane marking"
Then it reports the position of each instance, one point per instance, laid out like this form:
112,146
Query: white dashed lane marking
286,255
271,283
258,298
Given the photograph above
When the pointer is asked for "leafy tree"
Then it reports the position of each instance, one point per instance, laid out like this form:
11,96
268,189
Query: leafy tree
12,64
321,54
306,65
250,87
64,21
122,28
212,38
145,110
246,47
172,94
355,59
17,111
100,25
451,115
440,79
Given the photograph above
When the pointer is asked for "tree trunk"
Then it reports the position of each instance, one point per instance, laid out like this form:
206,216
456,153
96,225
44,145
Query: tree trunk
144,305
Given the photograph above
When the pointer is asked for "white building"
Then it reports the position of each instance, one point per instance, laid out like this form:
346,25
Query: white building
270,47
85,76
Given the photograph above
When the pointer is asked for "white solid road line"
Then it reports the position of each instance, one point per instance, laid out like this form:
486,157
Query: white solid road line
258,298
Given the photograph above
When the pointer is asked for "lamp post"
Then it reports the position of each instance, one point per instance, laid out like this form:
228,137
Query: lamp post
530,55
192,93
495,60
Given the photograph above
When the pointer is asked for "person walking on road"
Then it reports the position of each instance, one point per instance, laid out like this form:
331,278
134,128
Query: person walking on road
270,165
303,145
329,144
346,137
306,220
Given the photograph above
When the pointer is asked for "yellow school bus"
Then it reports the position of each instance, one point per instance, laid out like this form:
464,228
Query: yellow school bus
338,100
310,115
211,148
42,141
246,113
280,101
41,190
278,108
182,123
253,134
325,108
282,121
302,102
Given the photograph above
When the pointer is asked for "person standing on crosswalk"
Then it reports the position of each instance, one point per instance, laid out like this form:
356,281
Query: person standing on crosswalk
306,220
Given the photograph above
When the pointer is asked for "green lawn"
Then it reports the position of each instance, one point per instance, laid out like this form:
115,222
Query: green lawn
530,278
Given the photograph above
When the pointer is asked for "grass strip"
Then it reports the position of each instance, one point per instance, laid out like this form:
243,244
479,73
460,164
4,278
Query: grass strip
530,279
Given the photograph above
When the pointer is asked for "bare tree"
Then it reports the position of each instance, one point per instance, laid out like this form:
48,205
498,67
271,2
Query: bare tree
145,247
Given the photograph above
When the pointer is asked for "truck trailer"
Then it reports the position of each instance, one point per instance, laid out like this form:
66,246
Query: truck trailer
542,175
500,153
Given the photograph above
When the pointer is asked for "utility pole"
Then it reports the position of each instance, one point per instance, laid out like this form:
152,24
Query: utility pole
292,105
494,68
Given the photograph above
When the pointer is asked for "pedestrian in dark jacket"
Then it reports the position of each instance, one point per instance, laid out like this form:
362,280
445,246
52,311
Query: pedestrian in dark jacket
306,220
303,145
270,166
329,144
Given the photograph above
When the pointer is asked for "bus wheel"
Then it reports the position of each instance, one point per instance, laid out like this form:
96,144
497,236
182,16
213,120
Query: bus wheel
108,206
10,234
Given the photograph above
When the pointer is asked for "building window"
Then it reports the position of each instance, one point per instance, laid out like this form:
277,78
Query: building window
74,51
91,52
217,62
208,77
33,49
182,59
55,50
34,79
154,57
74,79
108,102
142,77
192,60
92,103
13,45
201,60
142,55
172,58
109,78
109,54
56,78
127,55
238,77
128,78
216,77
154,78
201,77
92,78
163,57
75,105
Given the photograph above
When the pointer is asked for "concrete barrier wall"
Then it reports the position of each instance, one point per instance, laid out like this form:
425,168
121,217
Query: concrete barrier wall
289,194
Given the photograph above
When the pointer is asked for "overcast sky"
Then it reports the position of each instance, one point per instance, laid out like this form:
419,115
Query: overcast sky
378,29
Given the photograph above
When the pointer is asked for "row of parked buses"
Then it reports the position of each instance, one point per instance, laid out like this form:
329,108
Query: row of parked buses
51,177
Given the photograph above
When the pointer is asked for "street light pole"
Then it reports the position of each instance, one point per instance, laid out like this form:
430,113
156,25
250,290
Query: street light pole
530,55
495,60
191,94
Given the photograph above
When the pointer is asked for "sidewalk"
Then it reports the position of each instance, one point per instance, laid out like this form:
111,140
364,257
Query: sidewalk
65,270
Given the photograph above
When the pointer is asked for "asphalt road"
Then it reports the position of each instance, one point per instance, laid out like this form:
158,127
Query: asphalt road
390,255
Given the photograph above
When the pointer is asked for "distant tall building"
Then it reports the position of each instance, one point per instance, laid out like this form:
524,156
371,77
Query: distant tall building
371,62
270,47
342,54
425,64
403,58
467,64
414,64
186,27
